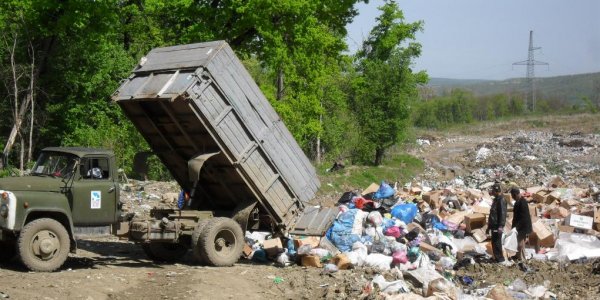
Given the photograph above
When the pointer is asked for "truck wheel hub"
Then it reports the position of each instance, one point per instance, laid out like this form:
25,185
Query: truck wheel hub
45,244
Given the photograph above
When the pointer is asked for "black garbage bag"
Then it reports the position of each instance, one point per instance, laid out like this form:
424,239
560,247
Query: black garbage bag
347,197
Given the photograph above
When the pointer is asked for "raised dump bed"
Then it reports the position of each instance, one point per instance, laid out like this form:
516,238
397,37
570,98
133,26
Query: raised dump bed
198,101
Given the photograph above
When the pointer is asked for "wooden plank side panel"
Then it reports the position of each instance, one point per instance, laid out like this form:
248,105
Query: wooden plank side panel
254,107
257,167
247,84
229,83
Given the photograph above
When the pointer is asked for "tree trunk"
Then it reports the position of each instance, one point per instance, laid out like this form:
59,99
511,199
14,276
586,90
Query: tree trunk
379,152
31,95
280,84
318,152
21,156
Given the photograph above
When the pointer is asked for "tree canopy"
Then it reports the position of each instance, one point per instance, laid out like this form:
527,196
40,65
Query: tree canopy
61,60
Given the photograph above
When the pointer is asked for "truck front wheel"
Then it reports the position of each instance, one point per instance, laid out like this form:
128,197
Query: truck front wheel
221,242
44,245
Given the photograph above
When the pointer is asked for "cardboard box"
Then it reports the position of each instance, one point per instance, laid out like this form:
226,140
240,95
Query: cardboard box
415,190
457,217
559,213
540,197
309,240
553,197
534,189
481,209
578,221
273,246
427,248
541,231
433,198
371,189
311,261
566,228
479,235
247,250
342,261
542,236
556,182
568,204
533,213
474,221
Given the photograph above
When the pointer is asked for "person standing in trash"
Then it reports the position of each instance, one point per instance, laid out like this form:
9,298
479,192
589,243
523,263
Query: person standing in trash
521,221
497,220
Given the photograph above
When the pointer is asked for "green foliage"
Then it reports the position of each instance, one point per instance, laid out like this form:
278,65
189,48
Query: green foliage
461,107
293,49
589,106
385,86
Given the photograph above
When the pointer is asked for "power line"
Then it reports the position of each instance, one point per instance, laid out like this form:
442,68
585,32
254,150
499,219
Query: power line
530,63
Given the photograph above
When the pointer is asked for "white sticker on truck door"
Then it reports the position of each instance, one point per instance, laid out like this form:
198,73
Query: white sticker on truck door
96,200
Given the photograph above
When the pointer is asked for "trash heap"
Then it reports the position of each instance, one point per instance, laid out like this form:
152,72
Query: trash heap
419,237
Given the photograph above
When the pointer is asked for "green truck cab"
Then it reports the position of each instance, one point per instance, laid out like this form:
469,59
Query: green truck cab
66,188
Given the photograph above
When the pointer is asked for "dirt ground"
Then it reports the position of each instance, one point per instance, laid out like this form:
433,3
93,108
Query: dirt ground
110,268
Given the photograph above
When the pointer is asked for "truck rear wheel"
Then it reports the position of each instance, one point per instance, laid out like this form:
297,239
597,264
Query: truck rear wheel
44,245
196,237
8,251
221,242
164,251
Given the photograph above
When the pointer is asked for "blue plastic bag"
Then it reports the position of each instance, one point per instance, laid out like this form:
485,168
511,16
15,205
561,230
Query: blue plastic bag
384,191
405,212
340,233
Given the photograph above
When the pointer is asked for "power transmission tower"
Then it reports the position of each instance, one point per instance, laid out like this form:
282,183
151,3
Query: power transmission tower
530,63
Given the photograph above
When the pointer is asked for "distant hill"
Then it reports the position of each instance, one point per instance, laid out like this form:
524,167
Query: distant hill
570,88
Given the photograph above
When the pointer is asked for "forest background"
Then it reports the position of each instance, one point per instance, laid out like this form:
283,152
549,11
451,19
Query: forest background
60,61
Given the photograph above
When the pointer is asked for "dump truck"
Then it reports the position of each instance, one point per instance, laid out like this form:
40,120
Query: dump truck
205,118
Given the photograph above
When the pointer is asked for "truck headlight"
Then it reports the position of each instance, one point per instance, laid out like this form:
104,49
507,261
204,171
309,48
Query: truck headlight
4,210
5,196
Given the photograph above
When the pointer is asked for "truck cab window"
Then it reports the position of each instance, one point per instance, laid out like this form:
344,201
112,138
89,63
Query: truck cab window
95,168
54,164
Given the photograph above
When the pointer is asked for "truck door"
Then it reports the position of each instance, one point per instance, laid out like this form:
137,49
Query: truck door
94,193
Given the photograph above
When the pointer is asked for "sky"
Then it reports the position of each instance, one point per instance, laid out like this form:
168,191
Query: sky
481,39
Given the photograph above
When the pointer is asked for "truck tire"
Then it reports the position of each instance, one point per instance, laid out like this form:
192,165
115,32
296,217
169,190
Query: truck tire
44,245
196,237
8,251
221,242
164,251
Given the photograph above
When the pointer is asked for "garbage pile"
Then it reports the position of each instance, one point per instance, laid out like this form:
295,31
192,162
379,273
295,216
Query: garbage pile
527,157
416,238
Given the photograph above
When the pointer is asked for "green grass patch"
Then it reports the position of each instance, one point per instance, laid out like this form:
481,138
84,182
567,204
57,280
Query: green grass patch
398,167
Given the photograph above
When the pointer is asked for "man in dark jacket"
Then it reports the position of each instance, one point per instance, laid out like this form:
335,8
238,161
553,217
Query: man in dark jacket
521,221
497,220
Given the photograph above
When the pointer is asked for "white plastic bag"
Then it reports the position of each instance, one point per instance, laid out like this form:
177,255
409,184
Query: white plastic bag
379,261
509,240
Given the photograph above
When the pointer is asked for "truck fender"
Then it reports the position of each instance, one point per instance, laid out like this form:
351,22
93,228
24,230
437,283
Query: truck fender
57,214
